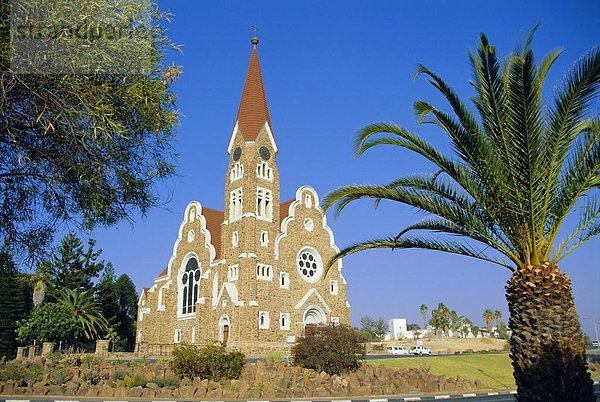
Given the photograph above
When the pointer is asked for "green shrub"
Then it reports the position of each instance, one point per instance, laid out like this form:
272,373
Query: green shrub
274,356
12,371
58,376
119,375
333,349
209,362
167,382
134,381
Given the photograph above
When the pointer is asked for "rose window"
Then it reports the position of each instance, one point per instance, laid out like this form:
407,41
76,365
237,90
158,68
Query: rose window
310,265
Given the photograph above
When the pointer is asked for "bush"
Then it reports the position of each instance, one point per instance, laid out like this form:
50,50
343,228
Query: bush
119,375
58,376
12,371
167,382
333,349
274,356
134,381
209,362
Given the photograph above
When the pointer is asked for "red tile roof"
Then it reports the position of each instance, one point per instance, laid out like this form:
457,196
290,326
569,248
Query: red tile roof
284,209
214,219
164,271
253,111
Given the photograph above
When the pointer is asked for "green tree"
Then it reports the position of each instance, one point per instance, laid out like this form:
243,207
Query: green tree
423,310
475,330
81,306
440,319
49,322
117,298
85,133
73,267
12,303
518,170
412,327
488,318
497,317
375,328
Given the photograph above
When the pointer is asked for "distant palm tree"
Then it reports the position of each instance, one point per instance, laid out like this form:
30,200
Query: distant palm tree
83,307
424,313
519,169
488,318
497,317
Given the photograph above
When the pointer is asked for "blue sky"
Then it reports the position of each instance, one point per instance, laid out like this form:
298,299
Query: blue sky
331,67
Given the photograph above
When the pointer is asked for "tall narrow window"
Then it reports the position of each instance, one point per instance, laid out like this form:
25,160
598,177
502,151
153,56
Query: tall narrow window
264,204
235,239
284,321
263,320
333,287
232,274
237,172
264,238
190,282
264,272
284,280
235,204
264,171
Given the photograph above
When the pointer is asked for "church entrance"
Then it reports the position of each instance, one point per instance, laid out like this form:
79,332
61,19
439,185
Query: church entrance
313,316
224,328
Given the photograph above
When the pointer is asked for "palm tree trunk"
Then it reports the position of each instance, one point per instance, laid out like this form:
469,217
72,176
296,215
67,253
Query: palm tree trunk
547,345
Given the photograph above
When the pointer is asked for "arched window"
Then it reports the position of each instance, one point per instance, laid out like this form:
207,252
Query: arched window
190,286
284,321
263,320
333,287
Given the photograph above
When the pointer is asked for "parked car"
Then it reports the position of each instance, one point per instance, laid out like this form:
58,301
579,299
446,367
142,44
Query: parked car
397,350
419,350
596,344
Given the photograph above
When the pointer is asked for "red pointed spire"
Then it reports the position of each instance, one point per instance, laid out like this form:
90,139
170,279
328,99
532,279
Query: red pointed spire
253,111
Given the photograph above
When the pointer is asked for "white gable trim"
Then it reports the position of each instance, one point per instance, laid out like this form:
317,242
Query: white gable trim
207,235
271,137
231,140
231,291
291,216
308,294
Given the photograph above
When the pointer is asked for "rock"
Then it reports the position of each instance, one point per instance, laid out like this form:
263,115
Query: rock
213,394
151,385
148,393
135,392
187,391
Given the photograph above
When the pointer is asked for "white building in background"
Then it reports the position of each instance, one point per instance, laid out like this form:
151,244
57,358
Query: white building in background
397,328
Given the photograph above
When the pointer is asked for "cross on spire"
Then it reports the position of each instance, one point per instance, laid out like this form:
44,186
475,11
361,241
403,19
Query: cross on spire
255,37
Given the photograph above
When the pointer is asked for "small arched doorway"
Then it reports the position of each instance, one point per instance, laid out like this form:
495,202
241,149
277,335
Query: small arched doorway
224,329
313,316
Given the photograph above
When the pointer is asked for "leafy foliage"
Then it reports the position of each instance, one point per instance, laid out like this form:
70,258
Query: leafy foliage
71,267
440,319
84,144
117,298
333,349
49,322
518,170
209,362
374,328
12,303
84,309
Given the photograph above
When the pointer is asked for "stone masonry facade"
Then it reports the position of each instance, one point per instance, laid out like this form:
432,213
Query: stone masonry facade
253,275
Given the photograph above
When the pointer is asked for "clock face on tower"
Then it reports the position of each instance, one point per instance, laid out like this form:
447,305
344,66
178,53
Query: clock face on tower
264,153
237,154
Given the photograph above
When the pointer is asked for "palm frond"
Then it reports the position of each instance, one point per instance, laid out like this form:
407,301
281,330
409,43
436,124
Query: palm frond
448,246
588,227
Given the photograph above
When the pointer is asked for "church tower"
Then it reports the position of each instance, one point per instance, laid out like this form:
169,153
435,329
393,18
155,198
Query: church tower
252,196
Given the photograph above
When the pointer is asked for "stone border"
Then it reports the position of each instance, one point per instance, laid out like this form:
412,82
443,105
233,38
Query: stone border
389,399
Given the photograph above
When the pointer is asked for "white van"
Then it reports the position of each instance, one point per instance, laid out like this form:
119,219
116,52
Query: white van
397,350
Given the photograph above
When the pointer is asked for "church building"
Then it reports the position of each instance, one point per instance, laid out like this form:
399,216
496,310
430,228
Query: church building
253,275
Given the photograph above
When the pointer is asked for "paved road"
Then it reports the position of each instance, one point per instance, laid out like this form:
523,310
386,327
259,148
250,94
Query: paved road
504,396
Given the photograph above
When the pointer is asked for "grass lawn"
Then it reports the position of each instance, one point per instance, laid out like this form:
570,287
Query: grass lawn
494,370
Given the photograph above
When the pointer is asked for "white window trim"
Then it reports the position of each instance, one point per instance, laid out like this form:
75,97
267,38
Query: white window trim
333,287
236,203
237,172
263,171
233,273
285,316
264,267
287,280
266,323
264,238
264,204
235,239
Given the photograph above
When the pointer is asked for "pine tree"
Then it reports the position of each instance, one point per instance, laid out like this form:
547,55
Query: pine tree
72,267
12,303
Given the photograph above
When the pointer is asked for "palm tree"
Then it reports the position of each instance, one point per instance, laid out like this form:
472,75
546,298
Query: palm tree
497,317
423,309
83,307
488,318
519,168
